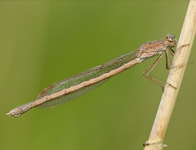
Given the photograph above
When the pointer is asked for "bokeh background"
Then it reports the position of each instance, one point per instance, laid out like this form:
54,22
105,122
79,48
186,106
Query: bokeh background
44,42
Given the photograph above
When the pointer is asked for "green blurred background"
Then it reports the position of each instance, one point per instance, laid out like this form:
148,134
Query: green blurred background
44,42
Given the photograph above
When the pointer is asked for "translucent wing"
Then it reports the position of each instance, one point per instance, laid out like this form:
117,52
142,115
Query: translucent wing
83,76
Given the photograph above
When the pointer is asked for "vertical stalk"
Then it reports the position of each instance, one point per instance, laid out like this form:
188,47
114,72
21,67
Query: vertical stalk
175,78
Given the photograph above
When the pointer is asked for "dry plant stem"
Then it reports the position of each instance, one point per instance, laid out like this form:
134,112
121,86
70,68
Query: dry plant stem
175,78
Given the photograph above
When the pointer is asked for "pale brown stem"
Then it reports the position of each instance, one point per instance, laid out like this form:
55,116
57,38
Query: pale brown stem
155,141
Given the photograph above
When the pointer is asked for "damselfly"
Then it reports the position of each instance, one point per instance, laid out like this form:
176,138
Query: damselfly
86,81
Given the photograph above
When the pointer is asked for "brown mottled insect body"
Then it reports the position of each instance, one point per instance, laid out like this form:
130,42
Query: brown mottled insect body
86,81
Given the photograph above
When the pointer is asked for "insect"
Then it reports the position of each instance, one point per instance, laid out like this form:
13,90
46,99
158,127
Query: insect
86,81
